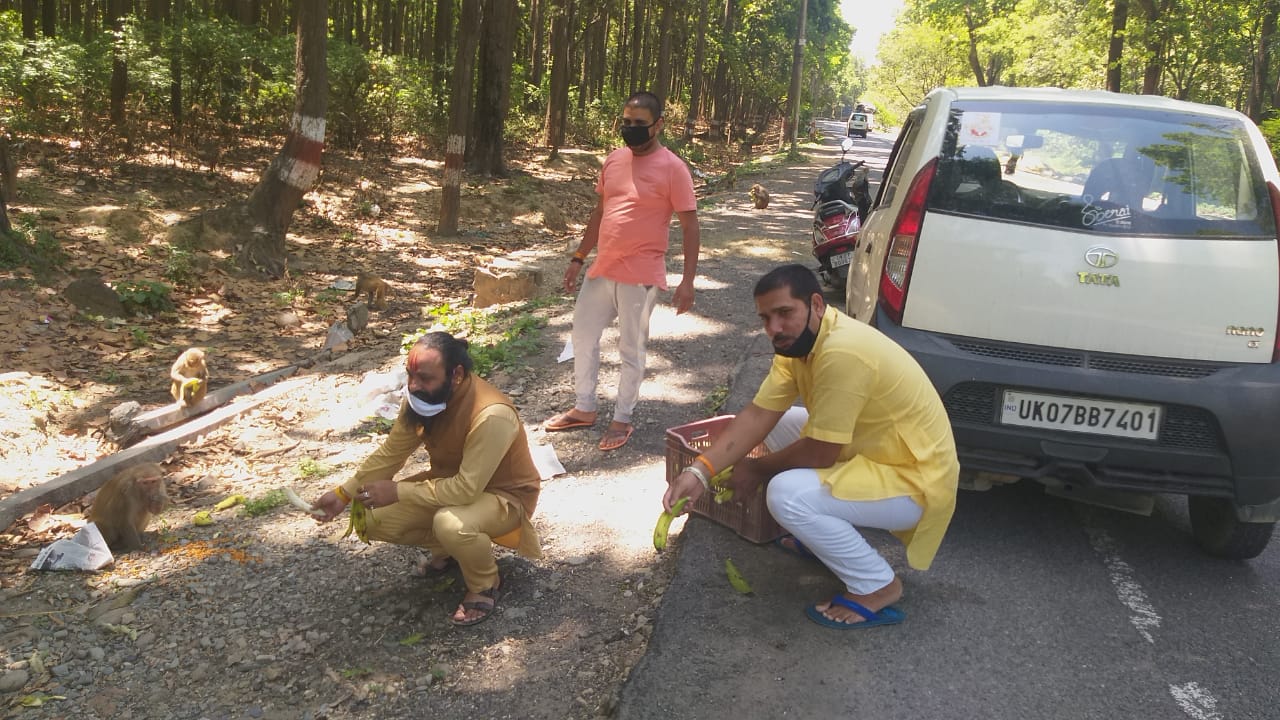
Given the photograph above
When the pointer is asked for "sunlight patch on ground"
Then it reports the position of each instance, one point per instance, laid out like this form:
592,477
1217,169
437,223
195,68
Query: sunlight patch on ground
418,162
592,514
414,188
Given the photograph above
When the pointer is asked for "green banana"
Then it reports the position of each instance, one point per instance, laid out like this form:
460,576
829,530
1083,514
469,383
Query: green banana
664,524
721,477
738,582
723,493
359,520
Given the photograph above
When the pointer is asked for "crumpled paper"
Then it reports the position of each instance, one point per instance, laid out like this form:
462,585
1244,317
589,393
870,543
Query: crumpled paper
86,550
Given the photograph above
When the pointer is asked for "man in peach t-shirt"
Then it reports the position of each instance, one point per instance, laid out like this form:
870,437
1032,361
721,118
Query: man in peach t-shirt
640,186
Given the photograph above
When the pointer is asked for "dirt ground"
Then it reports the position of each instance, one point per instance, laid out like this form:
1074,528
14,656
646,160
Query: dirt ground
270,615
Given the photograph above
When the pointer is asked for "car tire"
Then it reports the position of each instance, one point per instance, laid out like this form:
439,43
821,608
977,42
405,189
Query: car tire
1221,533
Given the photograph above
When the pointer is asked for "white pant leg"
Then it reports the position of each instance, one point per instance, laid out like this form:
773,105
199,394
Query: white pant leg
805,507
788,428
592,313
634,305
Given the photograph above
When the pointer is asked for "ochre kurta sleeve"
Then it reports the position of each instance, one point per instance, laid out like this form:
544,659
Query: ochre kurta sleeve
488,440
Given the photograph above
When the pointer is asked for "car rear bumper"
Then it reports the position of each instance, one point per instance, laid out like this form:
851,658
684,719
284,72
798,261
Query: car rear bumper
1217,437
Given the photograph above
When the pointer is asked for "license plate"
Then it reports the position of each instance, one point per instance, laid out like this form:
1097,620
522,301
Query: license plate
1083,415
841,259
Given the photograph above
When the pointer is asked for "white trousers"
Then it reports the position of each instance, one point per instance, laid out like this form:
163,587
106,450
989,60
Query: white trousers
599,301
802,504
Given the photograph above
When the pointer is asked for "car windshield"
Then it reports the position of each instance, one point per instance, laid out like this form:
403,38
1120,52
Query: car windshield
1103,169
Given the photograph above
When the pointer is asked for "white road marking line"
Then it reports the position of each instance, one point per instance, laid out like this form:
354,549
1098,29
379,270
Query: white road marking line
1144,617
1195,701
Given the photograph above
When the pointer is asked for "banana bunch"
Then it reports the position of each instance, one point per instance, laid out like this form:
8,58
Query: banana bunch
723,493
664,524
358,520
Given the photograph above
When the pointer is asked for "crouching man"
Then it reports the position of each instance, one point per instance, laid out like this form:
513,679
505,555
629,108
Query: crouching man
482,486
871,447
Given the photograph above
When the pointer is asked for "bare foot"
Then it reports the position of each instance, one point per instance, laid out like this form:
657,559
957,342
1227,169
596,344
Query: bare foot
875,602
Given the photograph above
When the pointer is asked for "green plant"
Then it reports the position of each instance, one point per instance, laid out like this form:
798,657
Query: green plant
497,338
31,246
144,295
286,298
312,468
330,296
715,400
141,337
265,503
179,265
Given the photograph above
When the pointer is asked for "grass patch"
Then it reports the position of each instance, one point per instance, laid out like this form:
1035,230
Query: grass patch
264,504
497,338
312,468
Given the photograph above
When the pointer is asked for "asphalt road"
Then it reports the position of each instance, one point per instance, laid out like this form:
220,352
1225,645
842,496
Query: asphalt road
1036,607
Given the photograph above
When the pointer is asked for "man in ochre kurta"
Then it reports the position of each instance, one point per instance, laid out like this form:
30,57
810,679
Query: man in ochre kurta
871,446
482,486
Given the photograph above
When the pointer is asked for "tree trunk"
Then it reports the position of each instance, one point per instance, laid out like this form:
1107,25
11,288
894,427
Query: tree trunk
662,85
699,59
497,56
464,65
30,11
720,85
49,18
294,171
384,19
537,24
1154,40
119,70
637,36
1262,62
1115,51
558,98
175,70
441,42
790,129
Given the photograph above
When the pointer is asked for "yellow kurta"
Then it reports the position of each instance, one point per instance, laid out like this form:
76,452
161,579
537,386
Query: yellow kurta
868,395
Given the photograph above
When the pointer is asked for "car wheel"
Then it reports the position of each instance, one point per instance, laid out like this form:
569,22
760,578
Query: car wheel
1219,532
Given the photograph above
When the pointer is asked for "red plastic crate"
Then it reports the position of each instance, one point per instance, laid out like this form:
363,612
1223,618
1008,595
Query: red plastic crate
749,518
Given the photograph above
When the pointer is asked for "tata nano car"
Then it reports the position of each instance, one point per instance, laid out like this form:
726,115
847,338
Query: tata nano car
1092,281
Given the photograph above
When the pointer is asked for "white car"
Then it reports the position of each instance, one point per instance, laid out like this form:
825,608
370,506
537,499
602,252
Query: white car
1092,281
859,124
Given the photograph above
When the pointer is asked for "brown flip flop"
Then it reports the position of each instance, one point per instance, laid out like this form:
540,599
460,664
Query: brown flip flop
565,421
614,439
485,609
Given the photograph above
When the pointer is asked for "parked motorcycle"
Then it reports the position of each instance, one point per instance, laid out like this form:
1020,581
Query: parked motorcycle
841,200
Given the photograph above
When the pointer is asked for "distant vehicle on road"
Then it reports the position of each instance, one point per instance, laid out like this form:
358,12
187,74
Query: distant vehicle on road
859,124
1092,281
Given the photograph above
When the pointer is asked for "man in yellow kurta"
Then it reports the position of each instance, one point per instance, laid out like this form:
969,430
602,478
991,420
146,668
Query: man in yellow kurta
870,447
482,486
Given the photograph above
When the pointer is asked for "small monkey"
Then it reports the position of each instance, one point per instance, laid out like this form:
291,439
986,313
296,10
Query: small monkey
759,196
190,377
374,288
126,503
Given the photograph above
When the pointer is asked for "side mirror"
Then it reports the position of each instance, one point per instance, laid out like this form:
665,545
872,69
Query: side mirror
846,144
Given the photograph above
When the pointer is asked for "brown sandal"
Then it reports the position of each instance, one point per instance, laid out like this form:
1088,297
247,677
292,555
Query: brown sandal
484,608
565,421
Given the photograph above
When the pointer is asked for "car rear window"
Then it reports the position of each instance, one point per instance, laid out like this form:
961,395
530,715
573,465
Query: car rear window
1102,169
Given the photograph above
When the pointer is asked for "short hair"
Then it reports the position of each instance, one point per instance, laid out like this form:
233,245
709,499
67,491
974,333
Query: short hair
646,101
453,351
801,280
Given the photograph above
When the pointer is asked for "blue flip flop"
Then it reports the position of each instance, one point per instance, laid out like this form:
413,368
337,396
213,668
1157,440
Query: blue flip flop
799,549
887,616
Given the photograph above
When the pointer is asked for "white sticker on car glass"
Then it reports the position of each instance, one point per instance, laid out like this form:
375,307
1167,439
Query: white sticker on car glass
980,128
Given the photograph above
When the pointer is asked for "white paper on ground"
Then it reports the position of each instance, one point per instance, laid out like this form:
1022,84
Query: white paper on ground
567,352
380,393
546,460
86,550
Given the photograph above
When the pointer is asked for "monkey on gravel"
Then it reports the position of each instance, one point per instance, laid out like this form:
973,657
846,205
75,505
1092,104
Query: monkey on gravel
126,504
189,377
759,196
374,288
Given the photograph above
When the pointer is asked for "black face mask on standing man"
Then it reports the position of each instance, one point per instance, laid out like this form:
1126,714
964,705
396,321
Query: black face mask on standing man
635,135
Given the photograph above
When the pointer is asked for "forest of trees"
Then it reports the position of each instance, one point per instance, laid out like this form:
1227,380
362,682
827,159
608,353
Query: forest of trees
461,78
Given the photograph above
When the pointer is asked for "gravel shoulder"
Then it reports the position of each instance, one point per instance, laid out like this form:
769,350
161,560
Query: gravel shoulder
271,616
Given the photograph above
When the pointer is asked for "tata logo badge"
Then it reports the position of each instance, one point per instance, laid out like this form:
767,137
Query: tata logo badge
1246,331
1088,278
1101,257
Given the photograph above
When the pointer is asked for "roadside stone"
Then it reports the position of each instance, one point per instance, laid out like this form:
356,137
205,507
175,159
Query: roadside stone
13,680
504,281
97,654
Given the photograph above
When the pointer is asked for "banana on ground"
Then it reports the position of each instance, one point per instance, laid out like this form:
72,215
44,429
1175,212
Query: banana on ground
738,582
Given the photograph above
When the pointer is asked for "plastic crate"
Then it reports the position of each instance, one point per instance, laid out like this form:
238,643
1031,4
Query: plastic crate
749,518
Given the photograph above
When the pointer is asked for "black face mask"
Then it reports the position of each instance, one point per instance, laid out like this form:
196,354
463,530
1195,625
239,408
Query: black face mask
803,344
635,135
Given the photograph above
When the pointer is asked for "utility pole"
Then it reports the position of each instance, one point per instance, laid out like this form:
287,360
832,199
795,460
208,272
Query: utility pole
797,64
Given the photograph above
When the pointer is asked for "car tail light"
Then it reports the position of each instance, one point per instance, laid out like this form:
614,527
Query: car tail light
901,254
1274,192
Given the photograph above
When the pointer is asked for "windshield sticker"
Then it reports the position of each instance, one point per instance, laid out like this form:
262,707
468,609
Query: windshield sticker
980,128
1093,216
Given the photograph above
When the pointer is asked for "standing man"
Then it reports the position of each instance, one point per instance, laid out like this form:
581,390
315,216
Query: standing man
482,486
871,447
640,186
